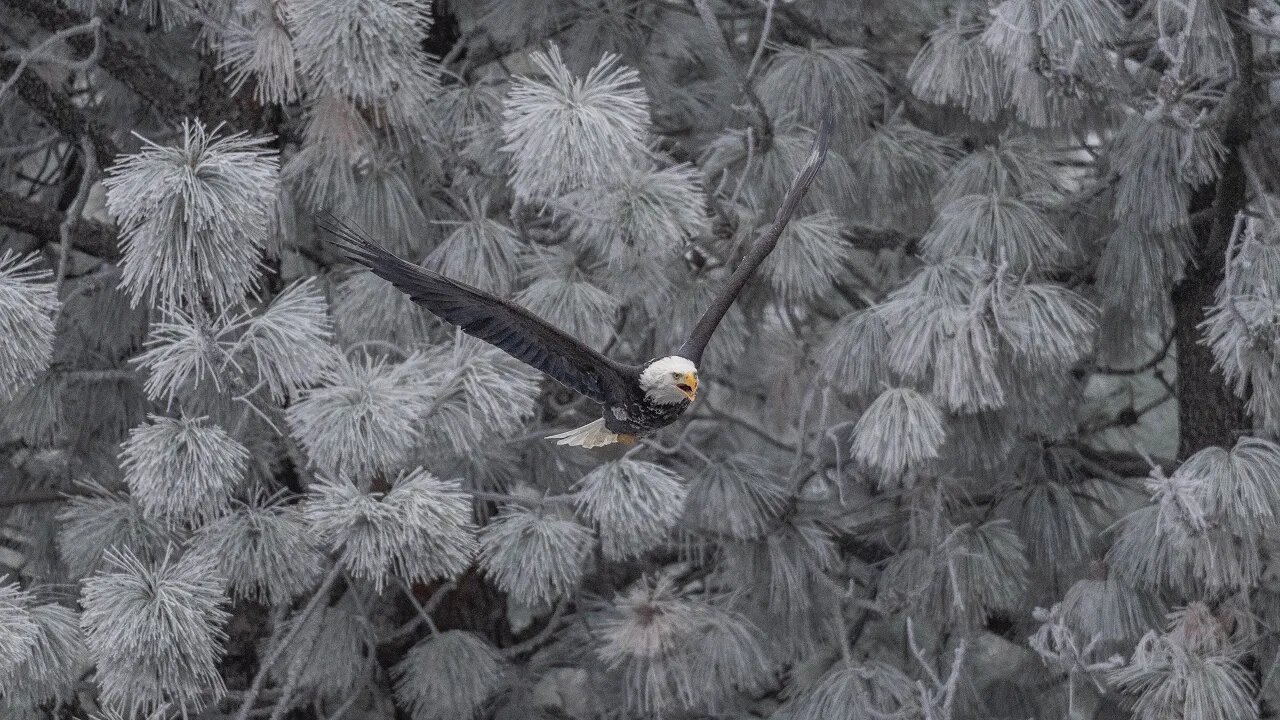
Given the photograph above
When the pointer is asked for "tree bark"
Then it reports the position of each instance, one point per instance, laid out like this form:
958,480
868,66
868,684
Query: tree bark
1209,413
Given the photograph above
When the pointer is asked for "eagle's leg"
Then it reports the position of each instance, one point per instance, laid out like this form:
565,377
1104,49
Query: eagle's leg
627,438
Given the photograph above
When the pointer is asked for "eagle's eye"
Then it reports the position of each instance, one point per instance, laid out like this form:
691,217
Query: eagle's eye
675,376
684,388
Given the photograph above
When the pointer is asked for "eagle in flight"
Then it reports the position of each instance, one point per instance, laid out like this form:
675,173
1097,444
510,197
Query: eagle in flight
637,399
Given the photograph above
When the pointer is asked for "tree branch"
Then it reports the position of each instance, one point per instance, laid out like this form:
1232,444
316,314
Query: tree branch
43,223
134,70
56,108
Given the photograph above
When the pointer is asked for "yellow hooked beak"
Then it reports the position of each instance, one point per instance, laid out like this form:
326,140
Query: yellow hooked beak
689,386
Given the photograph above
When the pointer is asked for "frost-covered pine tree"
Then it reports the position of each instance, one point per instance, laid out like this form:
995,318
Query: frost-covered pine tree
992,435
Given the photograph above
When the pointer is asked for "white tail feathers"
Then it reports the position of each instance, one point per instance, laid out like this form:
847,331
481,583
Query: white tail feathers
592,435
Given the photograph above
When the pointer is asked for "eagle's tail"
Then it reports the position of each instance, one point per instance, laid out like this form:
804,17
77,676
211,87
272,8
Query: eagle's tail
592,435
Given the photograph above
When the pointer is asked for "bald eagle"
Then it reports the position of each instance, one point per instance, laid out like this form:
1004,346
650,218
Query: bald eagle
637,399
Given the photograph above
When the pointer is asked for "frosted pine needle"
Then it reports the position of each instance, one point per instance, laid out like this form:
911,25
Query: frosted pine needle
853,692
370,51
28,303
967,373
259,48
1020,167
1046,323
18,629
1159,158
635,504
996,228
51,669
448,676
1239,486
900,430
419,530
366,307
897,169
363,418
289,341
533,554
194,218
644,211
1111,609
955,67
155,632
265,551
570,301
480,251
802,80
185,353
479,395
854,355
182,469
566,133
329,653
809,258
739,497
1172,677
98,521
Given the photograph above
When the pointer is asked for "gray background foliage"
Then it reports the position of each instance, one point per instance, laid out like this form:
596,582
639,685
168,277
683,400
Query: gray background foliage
989,436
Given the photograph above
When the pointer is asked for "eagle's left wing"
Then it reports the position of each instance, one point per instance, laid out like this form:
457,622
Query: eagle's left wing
505,325
702,332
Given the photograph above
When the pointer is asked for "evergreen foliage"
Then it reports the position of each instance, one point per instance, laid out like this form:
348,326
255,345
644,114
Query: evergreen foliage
991,435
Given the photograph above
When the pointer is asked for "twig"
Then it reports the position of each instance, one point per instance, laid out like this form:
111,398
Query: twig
260,678
422,611
764,37
66,230
553,624
25,57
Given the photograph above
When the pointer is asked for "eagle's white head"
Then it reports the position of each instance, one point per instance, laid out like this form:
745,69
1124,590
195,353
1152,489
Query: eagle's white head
670,380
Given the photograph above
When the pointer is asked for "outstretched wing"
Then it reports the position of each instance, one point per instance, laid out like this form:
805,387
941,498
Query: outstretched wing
505,325
701,335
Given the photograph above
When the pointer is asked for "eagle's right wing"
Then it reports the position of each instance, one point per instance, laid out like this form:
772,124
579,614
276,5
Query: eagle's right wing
505,325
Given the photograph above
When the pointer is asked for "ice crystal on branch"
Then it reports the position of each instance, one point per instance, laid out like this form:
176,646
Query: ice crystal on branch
194,217
28,303
182,469
635,504
566,133
448,676
418,530
534,554
155,632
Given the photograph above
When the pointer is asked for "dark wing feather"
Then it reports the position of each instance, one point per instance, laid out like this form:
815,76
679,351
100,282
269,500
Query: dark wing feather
508,326
701,334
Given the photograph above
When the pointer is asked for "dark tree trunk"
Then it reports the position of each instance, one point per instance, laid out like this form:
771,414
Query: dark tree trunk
1209,413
